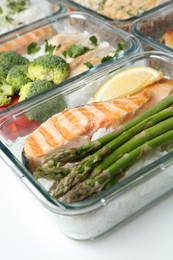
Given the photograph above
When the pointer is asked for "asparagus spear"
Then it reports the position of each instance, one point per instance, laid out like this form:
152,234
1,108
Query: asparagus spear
73,154
91,186
52,169
82,170
134,142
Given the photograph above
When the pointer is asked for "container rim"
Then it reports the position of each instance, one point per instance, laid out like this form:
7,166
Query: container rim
61,9
101,199
135,29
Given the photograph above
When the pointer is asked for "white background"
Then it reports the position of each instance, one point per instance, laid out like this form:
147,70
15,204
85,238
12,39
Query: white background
29,232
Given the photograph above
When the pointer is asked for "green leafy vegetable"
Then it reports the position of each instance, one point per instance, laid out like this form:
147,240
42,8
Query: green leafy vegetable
93,40
49,47
88,64
120,47
9,19
32,48
17,6
75,51
106,58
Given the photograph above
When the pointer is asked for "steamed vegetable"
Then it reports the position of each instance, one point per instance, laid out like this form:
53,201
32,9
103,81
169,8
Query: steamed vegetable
9,59
94,185
41,113
48,67
33,88
6,91
17,77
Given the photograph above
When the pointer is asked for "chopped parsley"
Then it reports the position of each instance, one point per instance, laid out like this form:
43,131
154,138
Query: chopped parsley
93,40
120,47
9,19
32,48
49,47
17,6
75,51
106,58
89,65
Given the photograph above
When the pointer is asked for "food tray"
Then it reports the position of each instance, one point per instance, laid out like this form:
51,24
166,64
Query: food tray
150,28
124,23
33,13
71,23
93,217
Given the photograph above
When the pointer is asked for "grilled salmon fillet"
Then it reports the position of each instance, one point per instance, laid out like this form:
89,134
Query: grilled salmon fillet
71,126
19,44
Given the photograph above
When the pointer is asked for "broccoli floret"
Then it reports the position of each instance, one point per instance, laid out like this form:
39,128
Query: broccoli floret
9,59
17,77
3,71
48,67
33,88
43,112
4,100
6,91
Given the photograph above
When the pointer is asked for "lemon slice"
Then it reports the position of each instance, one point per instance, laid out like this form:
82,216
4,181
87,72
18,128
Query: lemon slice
127,82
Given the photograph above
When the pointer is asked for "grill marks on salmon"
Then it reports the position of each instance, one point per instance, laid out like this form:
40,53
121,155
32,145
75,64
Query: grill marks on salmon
20,43
73,126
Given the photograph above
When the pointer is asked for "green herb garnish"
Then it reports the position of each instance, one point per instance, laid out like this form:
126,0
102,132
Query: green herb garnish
93,40
49,47
89,65
75,51
106,58
17,6
64,53
32,48
8,19
120,46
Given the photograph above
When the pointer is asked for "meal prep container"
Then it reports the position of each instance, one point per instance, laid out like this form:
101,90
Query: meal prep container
78,22
150,28
124,24
39,12
93,217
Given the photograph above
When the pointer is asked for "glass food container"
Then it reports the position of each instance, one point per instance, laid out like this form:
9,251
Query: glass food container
92,217
77,24
16,14
151,28
123,23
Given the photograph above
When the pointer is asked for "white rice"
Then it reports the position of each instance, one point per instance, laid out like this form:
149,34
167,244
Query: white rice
34,12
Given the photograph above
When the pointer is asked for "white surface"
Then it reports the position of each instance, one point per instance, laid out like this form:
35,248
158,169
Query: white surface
29,232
